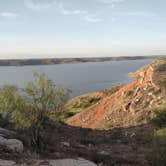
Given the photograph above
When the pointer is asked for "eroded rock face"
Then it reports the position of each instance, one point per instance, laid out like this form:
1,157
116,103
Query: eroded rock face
130,105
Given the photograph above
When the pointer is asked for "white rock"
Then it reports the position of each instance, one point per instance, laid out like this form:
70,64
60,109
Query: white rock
151,102
67,144
150,94
81,146
104,153
132,135
5,132
7,163
71,162
13,145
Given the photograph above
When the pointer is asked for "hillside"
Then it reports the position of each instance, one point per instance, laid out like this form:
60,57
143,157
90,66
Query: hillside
130,104
106,128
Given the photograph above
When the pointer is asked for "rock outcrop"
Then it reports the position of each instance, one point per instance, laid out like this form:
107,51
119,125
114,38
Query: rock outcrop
8,143
59,162
12,145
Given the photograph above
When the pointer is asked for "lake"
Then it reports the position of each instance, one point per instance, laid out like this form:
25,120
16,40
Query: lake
80,78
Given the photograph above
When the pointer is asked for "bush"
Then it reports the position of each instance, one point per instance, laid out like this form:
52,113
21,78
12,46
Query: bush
113,90
159,117
162,67
158,146
128,94
30,108
158,152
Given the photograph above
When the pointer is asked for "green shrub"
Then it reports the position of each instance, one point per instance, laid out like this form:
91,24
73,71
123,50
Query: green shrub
3,121
159,118
30,108
114,89
151,89
158,146
157,155
162,67
66,114
85,102
128,94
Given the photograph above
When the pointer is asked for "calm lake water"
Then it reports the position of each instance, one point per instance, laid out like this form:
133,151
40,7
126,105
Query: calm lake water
80,78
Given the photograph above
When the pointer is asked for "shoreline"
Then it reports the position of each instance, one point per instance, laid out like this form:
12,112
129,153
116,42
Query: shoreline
58,61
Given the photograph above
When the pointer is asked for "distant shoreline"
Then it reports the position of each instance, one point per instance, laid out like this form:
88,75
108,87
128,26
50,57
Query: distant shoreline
54,61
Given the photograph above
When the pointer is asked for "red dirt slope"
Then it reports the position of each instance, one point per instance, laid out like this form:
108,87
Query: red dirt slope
132,104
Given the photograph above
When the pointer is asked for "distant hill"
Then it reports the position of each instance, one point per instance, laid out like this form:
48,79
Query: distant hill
51,61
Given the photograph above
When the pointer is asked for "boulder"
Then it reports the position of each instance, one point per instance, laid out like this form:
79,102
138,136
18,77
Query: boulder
7,163
71,162
66,144
13,145
6,133
104,153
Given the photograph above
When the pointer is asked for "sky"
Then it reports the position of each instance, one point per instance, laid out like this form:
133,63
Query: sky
82,28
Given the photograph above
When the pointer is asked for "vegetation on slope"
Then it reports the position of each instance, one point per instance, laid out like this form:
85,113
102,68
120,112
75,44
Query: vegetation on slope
85,101
159,116
158,146
131,105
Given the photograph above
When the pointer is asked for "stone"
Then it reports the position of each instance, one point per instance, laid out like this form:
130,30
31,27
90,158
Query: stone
12,145
104,153
71,162
90,145
81,146
5,132
67,144
150,94
7,163
132,135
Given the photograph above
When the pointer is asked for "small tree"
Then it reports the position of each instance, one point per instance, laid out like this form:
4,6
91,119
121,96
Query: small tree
31,107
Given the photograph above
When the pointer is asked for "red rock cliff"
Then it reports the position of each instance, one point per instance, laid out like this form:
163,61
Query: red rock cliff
130,105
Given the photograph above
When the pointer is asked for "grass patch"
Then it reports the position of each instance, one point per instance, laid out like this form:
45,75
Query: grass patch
78,105
114,89
85,102
67,114
151,89
159,118
157,155
128,94
162,67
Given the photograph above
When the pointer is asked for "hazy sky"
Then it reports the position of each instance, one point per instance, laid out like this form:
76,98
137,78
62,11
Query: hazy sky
73,28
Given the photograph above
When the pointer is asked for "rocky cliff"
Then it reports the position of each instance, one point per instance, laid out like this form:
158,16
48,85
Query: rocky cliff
131,104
